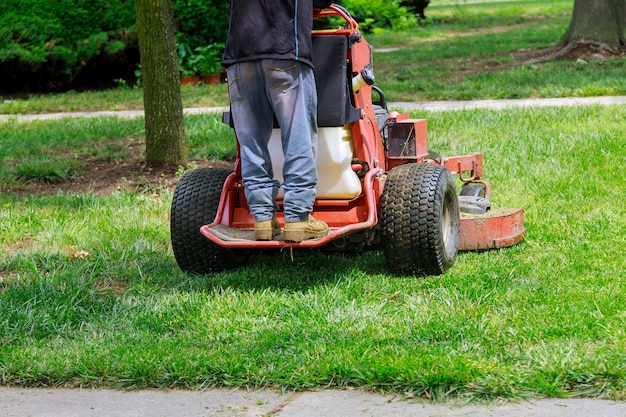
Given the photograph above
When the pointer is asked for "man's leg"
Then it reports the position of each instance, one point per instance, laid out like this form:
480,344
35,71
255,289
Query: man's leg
294,96
253,119
292,89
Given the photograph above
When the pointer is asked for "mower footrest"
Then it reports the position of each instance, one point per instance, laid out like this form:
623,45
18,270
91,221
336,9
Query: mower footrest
232,237
231,234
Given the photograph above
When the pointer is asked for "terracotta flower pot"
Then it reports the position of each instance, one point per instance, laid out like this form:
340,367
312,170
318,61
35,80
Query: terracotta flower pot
192,81
211,79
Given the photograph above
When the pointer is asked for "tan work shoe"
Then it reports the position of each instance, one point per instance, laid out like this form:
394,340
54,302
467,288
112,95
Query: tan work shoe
266,230
308,229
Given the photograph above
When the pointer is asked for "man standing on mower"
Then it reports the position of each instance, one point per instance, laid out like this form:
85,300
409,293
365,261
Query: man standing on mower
270,72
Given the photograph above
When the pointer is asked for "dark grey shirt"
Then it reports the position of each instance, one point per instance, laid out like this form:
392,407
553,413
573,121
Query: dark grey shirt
270,29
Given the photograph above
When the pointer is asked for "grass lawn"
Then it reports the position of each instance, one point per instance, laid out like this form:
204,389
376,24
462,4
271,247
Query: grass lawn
90,294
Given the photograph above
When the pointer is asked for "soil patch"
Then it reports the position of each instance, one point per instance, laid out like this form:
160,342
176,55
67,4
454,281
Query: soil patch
573,52
105,177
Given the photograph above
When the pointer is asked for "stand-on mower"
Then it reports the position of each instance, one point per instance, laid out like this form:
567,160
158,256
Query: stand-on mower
379,186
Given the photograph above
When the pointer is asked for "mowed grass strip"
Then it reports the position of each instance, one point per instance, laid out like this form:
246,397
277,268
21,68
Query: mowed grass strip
90,294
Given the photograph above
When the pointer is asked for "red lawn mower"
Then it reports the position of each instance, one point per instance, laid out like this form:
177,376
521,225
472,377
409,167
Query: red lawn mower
379,185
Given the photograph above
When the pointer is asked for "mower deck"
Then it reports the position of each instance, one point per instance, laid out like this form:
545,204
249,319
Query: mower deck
497,228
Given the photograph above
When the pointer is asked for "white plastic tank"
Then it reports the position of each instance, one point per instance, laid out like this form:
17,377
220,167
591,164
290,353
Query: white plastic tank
335,149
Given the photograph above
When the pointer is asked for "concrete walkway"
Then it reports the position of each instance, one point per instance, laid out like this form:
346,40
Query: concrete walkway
19,402
503,104
421,105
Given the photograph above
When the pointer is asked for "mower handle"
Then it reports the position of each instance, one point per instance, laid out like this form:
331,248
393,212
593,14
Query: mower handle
337,10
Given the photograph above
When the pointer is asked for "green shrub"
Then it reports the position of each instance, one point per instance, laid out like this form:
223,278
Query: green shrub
67,31
376,15
200,22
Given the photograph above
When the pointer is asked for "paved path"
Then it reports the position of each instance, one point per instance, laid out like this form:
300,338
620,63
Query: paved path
103,113
422,105
503,104
18,402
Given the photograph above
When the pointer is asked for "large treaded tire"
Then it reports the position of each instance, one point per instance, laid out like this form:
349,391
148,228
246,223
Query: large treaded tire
420,219
195,202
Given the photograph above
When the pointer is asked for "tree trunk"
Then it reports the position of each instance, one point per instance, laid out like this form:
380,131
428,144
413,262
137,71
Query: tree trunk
165,130
599,23
416,6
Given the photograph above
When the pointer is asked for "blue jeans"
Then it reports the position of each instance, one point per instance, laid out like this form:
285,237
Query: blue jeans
286,88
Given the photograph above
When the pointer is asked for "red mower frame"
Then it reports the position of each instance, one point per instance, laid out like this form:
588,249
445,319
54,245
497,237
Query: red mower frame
420,224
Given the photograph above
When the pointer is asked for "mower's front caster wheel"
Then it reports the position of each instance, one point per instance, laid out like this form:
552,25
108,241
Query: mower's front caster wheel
195,202
473,190
420,219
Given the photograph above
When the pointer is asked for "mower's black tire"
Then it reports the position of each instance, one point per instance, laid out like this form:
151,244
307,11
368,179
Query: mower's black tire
195,202
419,219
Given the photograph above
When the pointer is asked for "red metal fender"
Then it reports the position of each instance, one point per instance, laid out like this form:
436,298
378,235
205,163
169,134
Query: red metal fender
497,228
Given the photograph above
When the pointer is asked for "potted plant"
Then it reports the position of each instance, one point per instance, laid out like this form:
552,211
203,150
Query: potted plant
209,59
188,65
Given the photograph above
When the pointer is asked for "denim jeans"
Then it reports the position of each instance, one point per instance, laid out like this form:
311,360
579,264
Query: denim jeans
258,90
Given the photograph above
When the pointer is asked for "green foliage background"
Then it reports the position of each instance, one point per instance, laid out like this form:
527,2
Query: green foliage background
201,22
376,15
67,31
59,38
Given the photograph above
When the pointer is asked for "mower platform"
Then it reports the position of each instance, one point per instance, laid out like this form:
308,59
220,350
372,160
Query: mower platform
234,229
232,237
